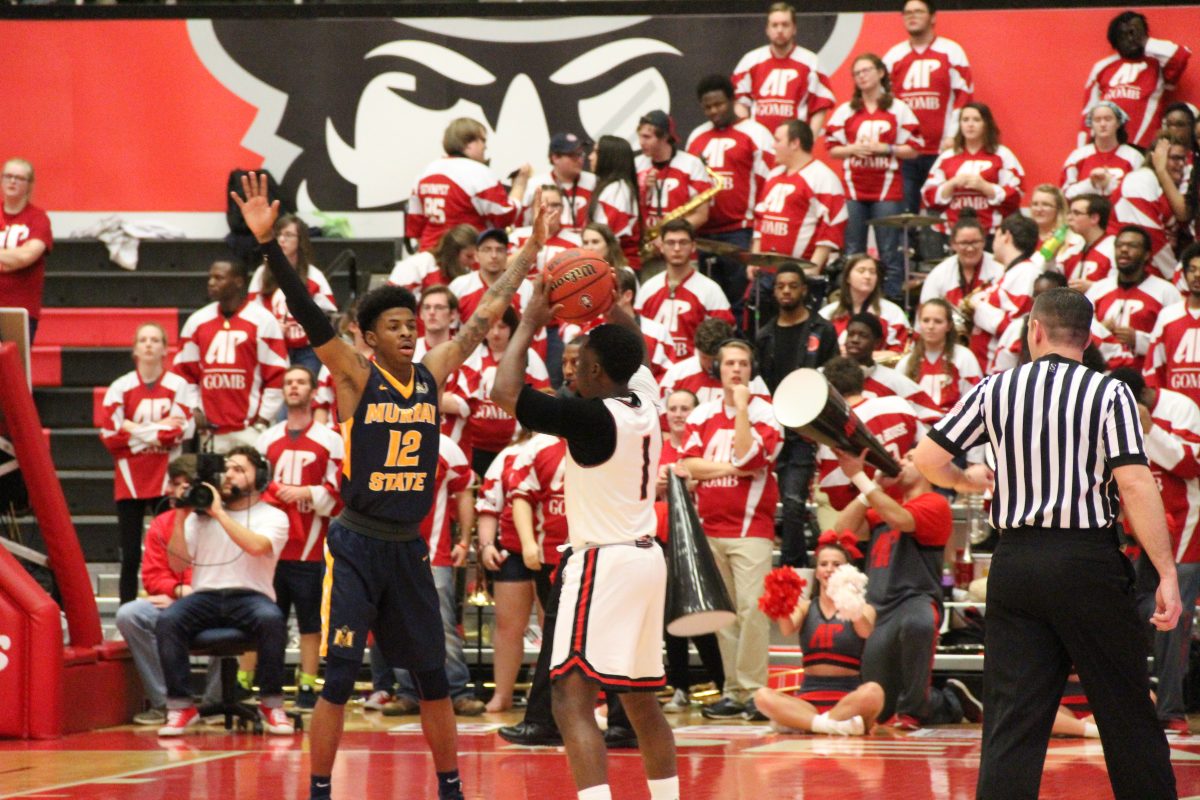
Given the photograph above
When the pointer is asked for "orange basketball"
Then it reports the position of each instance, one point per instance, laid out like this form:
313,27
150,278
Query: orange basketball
582,283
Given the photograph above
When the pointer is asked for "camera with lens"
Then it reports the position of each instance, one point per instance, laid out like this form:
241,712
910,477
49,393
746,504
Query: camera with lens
210,469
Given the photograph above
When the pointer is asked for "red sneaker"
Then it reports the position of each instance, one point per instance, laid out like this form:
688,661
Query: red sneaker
903,722
179,720
1176,727
276,720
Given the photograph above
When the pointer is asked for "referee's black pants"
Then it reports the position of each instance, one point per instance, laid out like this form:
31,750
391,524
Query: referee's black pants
1057,597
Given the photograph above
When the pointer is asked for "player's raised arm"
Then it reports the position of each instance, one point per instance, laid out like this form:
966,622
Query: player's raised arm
260,214
447,357
510,372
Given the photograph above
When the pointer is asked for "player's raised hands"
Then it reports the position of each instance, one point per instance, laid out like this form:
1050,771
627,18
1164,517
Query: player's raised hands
538,312
257,210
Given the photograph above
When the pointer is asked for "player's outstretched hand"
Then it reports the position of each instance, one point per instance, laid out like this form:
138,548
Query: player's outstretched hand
258,212
538,312
1167,605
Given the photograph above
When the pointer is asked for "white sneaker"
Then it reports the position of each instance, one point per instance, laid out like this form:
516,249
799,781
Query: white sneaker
679,703
377,700
276,720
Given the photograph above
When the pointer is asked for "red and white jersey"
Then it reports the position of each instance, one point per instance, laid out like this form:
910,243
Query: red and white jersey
659,346
1080,261
455,191
1173,361
576,197
565,239
1143,203
873,178
543,486
1137,85
688,374
1136,307
935,82
489,427
1008,301
141,455
319,289
454,389
1077,171
679,180
1000,168
892,421
23,288
896,329
469,290
945,280
681,309
312,457
801,211
453,476
495,494
325,397
736,506
417,273
781,89
1007,353
881,381
944,383
1173,447
617,207
743,155
234,366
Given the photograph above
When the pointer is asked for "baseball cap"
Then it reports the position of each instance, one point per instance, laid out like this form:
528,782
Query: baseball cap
492,233
562,144
661,120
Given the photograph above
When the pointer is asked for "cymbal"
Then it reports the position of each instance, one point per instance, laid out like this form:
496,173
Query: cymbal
720,248
771,260
906,220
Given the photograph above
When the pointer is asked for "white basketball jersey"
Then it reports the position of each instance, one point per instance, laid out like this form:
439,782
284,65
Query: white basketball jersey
613,502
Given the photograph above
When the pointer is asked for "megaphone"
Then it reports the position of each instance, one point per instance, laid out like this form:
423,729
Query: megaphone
806,403
697,602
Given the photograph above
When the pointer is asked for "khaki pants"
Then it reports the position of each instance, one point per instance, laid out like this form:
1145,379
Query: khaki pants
743,564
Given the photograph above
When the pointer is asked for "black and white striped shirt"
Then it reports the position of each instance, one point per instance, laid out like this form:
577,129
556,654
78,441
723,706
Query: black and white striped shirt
1057,429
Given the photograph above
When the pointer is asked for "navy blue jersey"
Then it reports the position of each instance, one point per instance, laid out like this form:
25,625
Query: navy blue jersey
830,640
392,447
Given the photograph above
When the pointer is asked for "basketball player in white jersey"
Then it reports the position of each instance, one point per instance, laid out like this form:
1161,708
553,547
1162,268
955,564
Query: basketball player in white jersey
610,621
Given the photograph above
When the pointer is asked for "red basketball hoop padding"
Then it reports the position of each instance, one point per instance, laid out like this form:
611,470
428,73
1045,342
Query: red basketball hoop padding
31,656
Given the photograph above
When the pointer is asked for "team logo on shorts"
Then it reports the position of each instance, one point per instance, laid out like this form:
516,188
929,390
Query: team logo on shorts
343,637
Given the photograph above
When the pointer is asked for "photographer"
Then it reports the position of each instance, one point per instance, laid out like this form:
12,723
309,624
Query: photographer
232,545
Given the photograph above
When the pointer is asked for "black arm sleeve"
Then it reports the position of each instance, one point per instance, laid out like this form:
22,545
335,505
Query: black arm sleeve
588,427
299,301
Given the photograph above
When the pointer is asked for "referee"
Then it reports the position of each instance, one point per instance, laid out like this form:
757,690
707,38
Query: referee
1069,452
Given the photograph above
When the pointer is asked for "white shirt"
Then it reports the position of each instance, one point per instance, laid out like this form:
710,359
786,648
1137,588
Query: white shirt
218,562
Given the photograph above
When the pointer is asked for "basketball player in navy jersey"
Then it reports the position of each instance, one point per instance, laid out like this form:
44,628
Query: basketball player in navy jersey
609,632
377,571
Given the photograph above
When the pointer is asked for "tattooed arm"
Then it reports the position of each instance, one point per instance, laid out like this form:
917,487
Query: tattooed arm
447,357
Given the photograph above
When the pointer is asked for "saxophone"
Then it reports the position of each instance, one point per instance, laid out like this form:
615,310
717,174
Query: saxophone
652,233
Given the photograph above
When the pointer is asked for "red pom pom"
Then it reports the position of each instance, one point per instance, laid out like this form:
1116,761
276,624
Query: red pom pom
781,592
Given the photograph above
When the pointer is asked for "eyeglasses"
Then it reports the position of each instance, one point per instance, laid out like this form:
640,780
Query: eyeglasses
8,176
969,244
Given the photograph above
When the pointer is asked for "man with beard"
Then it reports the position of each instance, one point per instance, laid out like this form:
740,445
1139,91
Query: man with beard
232,547
1152,197
1128,303
1087,257
1136,77
1173,359
795,339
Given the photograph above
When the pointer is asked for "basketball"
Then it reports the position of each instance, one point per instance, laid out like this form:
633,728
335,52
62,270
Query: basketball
582,283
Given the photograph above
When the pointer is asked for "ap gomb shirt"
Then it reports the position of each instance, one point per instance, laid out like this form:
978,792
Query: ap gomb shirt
736,507
877,177
1080,261
1173,447
501,480
943,382
1077,171
543,487
1008,301
309,457
681,309
1173,359
935,82
801,211
23,288
895,324
1136,85
946,281
742,155
141,456
1143,203
453,476
456,191
881,381
1000,168
674,183
489,427
892,421
1137,306
781,89
319,289
234,366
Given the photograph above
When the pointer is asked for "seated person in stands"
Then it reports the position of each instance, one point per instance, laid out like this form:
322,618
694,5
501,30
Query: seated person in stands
137,619
232,547
833,697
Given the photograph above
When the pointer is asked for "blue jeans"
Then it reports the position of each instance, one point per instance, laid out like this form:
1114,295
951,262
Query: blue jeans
457,672
249,611
136,620
889,240
914,171
1172,648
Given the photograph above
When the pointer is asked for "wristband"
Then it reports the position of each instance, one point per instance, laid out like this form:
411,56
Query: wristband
863,483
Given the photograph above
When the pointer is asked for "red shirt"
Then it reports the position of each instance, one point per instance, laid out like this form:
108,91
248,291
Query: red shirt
935,83
617,207
313,458
1173,447
743,155
453,476
1077,171
542,487
675,182
1173,360
501,480
781,89
681,309
1000,168
801,211
454,191
1138,307
157,575
1142,202
659,346
319,289
1137,85
873,178
1080,261
944,386
141,456
490,427
23,288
